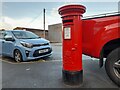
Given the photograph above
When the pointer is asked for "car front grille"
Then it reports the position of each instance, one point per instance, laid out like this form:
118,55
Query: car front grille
38,45
37,54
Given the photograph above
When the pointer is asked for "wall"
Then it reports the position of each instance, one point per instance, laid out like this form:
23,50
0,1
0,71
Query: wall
55,32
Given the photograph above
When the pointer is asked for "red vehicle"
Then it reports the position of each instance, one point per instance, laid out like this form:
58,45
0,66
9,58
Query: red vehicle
101,39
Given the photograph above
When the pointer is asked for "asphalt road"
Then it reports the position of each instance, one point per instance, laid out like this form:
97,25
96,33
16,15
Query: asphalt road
47,73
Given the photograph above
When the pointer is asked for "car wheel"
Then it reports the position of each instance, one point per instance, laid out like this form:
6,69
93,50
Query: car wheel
18,56
112,66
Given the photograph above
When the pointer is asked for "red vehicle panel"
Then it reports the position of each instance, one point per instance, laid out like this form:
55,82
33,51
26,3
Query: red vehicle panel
97,32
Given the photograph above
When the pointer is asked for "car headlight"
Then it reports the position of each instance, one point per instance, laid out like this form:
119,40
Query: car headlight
28,45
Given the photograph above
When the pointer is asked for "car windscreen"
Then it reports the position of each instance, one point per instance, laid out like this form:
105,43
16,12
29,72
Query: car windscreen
24,35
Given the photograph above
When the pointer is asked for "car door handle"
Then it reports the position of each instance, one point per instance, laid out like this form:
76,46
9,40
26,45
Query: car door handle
3,42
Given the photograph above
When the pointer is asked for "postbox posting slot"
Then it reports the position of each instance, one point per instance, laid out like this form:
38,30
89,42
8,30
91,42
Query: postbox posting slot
67,32
67,21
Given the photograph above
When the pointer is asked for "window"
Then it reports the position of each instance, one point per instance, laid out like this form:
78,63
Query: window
7,33
1,34
24,35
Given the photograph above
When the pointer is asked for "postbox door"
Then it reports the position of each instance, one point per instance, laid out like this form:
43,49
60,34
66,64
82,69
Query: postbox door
72,47
67,47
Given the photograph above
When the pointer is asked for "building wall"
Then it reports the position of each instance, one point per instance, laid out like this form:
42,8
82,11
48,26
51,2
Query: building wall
55,32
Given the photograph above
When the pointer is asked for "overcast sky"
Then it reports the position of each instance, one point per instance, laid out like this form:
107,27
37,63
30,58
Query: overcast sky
30,14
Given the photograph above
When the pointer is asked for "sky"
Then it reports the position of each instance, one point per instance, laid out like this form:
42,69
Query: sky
30,14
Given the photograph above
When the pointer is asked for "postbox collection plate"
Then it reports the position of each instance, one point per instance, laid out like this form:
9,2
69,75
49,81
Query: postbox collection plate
67,33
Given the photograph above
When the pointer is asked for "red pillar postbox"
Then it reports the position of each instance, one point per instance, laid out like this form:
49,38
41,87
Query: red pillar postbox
72,43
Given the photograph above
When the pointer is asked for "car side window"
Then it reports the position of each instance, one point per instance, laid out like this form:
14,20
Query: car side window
1,34
7,34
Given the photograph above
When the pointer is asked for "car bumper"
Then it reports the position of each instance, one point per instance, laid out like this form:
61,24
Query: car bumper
33,53
32,58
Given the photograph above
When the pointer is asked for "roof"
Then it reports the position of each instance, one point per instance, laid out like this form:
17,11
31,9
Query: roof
102,15
6,30
55,24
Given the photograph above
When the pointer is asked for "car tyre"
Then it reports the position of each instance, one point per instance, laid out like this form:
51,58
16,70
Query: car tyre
18,56
112,66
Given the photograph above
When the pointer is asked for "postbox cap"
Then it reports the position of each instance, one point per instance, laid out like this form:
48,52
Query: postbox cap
72,10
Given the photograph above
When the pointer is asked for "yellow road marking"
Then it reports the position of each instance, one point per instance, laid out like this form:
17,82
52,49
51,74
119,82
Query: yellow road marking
30,62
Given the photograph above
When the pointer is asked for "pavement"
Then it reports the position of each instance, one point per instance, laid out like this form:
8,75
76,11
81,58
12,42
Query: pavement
47,73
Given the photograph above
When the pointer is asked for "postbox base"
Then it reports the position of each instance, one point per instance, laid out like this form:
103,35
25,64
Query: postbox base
72,78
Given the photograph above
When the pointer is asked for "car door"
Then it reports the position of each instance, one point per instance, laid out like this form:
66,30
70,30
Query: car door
0,46
1,39
7,46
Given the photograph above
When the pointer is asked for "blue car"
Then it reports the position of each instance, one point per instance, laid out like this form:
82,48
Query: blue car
23,45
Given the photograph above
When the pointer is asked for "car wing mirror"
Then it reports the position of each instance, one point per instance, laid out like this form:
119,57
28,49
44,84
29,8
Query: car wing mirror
9,38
